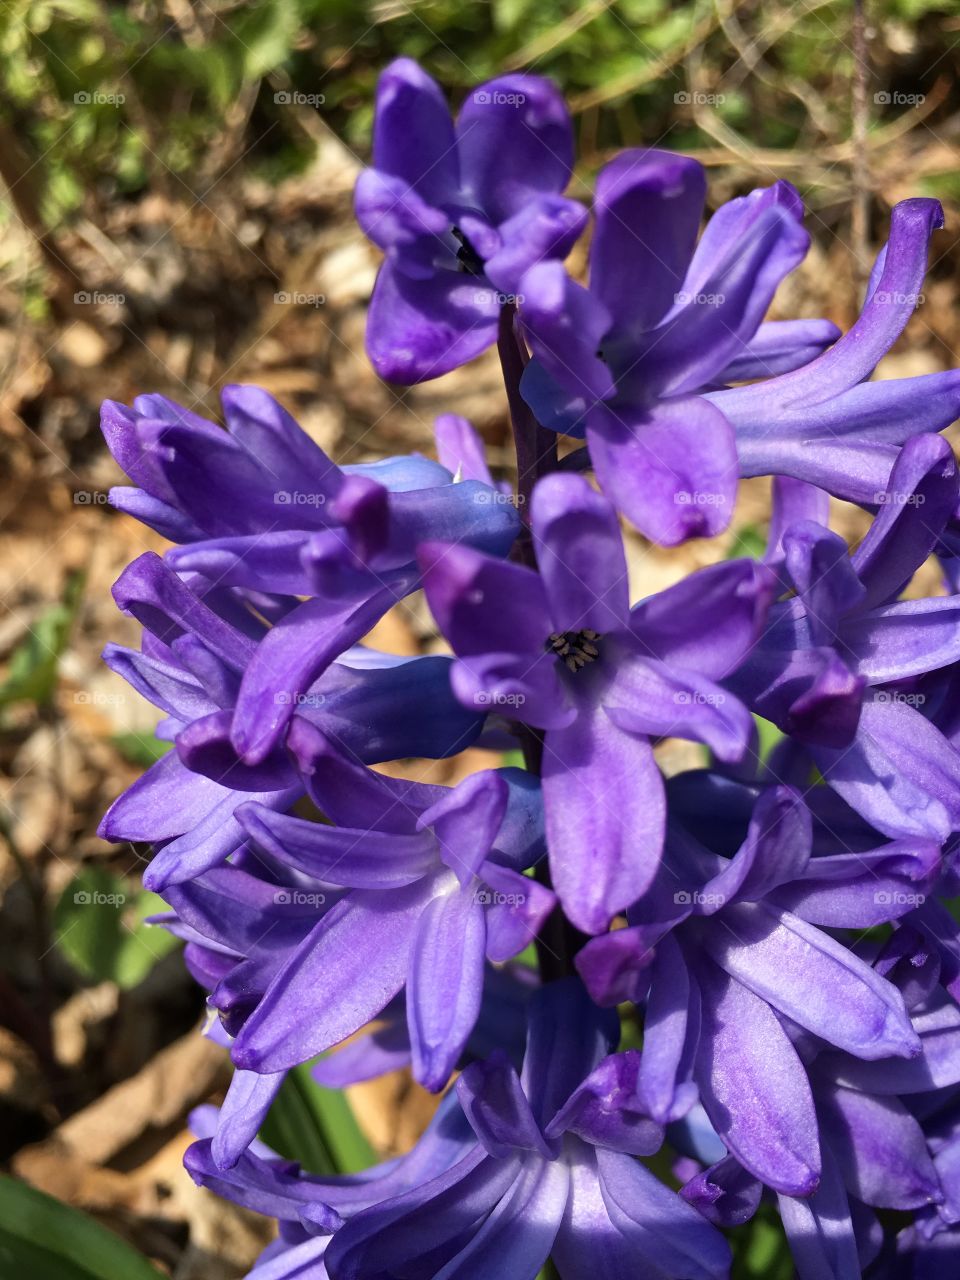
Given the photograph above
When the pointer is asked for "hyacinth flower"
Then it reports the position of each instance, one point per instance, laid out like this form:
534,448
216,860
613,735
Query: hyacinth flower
191,666
877,1154
722,949
460,211
560,649
307,1208
500,1026
231,497
550,1172
195,482
635,361
626,361
829,667
433,889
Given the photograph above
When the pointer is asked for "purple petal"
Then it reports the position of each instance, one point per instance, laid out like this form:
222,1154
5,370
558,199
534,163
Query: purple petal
483,605
820,1230
360,859
904,639
754,1088
461,449
413,133
515,142
668,1032
247,1102
545,228
293,654
499,1113
333,983
775,851
604,803
580,555
710,621
881,1150
671,469
780,346
350,794
604,1111
920,498
598,1237
517,907
445,983
814,980
565,325
900,772
465,821
648,697
567,1037
676,1238
712,324
420,329
647,208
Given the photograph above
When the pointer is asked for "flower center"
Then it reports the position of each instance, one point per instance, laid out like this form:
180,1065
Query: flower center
467,257
576,648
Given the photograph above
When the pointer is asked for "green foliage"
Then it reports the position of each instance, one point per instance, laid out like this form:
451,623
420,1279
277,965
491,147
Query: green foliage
34,666
316,1126
99,927
42,1239
140,750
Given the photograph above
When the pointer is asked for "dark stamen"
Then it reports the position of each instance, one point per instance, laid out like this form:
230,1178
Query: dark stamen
576,648
467,257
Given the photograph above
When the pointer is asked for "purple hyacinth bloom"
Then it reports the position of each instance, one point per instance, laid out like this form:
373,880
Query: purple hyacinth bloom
460,210
308,1207
231,498
829,668
196,482
663,321
560,649
881,1147
551,1172
722,950
375,706
640,361
501,1024
433,889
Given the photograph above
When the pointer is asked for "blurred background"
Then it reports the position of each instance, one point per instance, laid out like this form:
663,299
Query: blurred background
175,214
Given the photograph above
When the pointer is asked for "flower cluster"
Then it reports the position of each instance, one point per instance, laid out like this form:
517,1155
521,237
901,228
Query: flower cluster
773,927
